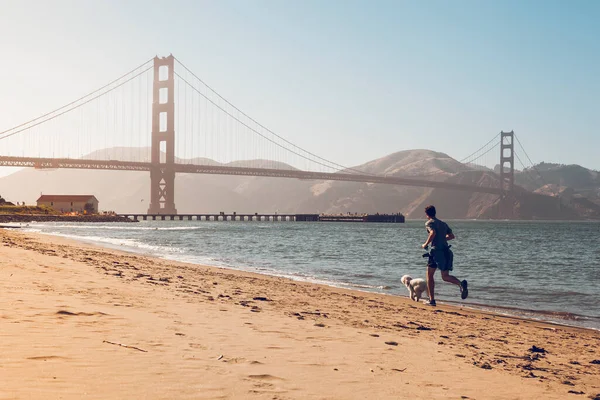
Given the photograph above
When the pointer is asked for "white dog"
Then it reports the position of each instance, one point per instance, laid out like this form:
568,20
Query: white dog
416,287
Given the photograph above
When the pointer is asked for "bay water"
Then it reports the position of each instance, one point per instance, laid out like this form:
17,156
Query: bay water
542,270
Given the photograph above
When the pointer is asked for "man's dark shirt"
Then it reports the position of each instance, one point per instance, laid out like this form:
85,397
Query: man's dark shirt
441,230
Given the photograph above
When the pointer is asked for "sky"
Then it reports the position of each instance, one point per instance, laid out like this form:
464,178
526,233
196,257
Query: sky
351,81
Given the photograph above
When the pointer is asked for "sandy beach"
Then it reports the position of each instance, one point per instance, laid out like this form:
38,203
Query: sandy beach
79,321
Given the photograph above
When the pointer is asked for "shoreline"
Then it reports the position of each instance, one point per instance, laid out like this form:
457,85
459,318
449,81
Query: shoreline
540,315
374,338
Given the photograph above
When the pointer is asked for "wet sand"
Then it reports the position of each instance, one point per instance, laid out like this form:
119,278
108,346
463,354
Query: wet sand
79,321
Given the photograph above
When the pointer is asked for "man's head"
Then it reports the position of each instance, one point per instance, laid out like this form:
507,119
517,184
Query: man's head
430,211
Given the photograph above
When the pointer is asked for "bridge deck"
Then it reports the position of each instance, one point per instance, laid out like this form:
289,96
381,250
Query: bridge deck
393,218
50,163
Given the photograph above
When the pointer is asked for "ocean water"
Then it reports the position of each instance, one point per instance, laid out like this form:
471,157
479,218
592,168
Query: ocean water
542,270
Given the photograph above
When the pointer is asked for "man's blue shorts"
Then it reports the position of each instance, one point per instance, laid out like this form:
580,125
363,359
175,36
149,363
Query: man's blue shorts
441,259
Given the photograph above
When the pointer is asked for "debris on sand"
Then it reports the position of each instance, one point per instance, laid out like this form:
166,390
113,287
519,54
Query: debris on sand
535,349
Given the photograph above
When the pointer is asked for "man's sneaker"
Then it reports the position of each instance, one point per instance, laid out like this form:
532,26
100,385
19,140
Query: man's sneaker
464,291
430,303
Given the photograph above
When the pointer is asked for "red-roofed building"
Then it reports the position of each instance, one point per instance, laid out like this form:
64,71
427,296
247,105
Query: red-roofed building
85,204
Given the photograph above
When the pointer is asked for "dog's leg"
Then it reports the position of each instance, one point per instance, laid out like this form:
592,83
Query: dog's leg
412,292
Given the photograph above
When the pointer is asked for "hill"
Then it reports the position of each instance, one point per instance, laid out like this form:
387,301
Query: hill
129,191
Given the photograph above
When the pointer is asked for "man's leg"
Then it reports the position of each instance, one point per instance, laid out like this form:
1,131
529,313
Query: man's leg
450,278
464,292
430,283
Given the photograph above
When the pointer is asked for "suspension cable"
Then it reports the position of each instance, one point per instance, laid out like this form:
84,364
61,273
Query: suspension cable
481,148
526,174
526,155
72,108
75,101
555,192
265,137
265,128
462,161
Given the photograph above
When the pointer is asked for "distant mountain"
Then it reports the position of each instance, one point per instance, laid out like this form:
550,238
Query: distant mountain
575,192
573,176
412,163
577,186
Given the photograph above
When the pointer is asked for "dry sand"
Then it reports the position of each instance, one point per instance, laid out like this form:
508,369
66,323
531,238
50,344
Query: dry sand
78,321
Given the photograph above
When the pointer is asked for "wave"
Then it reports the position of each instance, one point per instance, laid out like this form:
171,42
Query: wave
296,276
557,317
310,263
569,316
131,244
119,228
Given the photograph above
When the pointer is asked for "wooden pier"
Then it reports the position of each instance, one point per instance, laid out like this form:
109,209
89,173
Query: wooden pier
387,218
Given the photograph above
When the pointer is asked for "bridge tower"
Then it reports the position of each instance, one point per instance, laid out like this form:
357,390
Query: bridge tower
507,156
507,175
162,171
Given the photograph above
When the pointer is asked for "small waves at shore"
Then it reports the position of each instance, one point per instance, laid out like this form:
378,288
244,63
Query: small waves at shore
557,317
179,254
240,266
119,244
553,280
127,227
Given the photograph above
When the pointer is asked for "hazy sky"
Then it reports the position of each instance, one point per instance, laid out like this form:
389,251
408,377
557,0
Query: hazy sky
350,81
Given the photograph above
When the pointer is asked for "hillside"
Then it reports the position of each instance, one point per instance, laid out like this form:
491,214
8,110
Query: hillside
128,191
578,187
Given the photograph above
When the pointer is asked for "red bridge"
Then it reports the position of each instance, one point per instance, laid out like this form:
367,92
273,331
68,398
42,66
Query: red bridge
137,111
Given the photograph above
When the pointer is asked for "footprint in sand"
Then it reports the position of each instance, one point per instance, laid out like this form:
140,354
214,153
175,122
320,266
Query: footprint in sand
82,314
45,358
266,377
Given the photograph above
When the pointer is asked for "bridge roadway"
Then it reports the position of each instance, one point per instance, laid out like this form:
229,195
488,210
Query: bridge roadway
221,217
387,218
53,163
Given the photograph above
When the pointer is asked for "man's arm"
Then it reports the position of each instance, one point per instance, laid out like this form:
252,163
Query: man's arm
429,238
449,233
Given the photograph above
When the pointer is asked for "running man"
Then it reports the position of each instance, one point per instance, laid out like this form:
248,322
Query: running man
440,255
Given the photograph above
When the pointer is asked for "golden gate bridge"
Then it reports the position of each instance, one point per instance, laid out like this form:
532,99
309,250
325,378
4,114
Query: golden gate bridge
162,100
